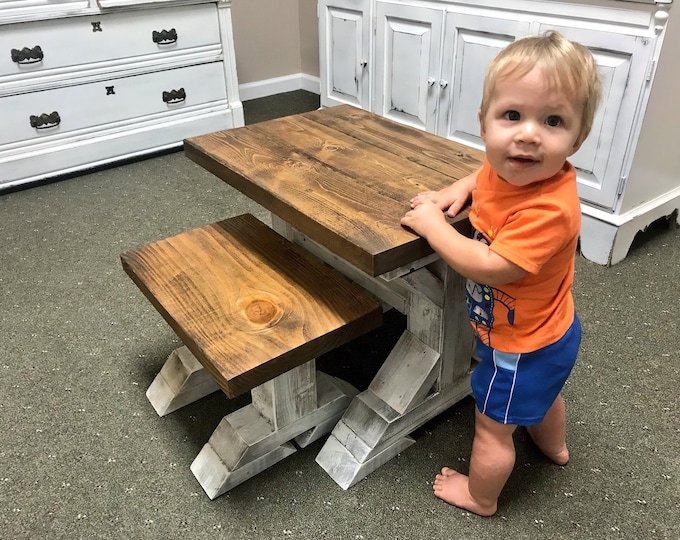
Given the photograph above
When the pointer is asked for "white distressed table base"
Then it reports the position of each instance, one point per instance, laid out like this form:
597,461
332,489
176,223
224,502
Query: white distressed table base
427,371
344,468
371,433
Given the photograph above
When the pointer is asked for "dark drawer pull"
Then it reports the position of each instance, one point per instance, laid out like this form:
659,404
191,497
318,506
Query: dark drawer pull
45,121
175,96
27,56
164,37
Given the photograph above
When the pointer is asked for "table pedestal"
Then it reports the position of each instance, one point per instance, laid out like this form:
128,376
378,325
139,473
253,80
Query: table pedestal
426,372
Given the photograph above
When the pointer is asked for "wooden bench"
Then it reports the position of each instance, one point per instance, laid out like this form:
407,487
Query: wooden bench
253,311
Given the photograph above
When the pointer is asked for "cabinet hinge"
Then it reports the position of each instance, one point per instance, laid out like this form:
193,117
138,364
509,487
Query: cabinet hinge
650,69
622,184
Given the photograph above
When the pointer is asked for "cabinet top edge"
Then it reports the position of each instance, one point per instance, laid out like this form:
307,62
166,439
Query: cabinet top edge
79,8
625,13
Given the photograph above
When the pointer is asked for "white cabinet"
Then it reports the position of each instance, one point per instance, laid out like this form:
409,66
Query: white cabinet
426,68
623,61
88,84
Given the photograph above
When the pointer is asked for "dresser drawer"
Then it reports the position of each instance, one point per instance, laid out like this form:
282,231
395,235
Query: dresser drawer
44,115
36,48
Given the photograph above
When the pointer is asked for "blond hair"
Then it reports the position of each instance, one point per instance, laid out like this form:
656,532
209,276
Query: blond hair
565,63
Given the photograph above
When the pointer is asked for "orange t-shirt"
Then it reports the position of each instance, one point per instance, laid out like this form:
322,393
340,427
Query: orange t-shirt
535,227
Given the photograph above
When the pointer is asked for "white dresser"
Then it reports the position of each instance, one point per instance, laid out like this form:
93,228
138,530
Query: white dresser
87,82
422,62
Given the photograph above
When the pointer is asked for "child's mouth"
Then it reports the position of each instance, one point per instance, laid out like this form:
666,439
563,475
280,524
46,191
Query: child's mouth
522,160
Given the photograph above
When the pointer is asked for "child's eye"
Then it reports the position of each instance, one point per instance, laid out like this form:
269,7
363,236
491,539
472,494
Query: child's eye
513,116
553,121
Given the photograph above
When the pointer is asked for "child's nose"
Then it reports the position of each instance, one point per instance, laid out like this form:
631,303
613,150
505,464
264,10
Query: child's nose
528,132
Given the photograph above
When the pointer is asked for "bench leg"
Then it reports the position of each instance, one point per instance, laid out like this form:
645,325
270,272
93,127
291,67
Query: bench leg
300,403
181,380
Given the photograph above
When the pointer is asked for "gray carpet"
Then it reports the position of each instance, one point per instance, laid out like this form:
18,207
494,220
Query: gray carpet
84,455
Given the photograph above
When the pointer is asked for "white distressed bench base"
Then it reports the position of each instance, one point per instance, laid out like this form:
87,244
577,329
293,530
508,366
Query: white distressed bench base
301,405
181,380
246,442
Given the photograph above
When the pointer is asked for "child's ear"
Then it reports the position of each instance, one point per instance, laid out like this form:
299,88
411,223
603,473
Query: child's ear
482,129
578,144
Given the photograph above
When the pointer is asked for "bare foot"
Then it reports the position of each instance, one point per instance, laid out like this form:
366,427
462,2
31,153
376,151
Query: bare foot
560,458
452,487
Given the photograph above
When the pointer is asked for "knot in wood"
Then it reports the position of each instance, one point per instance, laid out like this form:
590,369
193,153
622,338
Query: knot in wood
262,312
297,164
331,148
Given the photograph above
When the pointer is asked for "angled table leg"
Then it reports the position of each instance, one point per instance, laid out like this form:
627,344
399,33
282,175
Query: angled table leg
426,372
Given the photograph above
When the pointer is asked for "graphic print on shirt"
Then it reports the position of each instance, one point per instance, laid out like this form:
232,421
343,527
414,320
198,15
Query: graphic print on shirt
484,303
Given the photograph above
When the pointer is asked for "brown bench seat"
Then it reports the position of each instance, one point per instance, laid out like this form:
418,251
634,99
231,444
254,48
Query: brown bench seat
248,303
253,310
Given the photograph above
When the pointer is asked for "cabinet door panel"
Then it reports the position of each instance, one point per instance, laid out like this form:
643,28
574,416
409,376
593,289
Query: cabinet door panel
470,42
622,61
344,44
408,42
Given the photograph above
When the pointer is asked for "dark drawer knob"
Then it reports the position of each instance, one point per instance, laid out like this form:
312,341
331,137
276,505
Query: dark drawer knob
27,56
45,121
174,96
164,37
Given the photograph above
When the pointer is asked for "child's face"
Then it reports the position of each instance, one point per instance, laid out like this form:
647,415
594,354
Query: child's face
530,128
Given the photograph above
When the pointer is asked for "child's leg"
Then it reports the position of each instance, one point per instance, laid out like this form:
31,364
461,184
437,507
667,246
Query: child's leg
551,434
492,460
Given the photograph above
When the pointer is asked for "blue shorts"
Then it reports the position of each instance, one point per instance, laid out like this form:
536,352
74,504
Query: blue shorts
519,388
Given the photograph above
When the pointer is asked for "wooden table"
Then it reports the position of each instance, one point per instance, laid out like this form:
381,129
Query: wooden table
337,181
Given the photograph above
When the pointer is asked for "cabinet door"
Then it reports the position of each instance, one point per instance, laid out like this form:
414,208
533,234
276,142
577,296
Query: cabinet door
344,33
623,64
407,63
470,42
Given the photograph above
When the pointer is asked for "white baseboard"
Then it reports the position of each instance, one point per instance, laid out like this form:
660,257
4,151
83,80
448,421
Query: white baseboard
278,85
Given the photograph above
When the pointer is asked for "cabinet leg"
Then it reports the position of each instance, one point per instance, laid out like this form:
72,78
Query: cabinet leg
608,243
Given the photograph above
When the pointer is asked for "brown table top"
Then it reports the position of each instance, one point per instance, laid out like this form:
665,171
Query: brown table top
341,175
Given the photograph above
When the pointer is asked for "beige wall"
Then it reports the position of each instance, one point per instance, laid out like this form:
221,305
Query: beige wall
309,37
275,38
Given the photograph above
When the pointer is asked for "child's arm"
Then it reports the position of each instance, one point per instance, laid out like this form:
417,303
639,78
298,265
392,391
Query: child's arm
466,256
450,199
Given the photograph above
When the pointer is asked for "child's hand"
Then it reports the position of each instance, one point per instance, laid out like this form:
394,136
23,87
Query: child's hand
425,217
450,199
